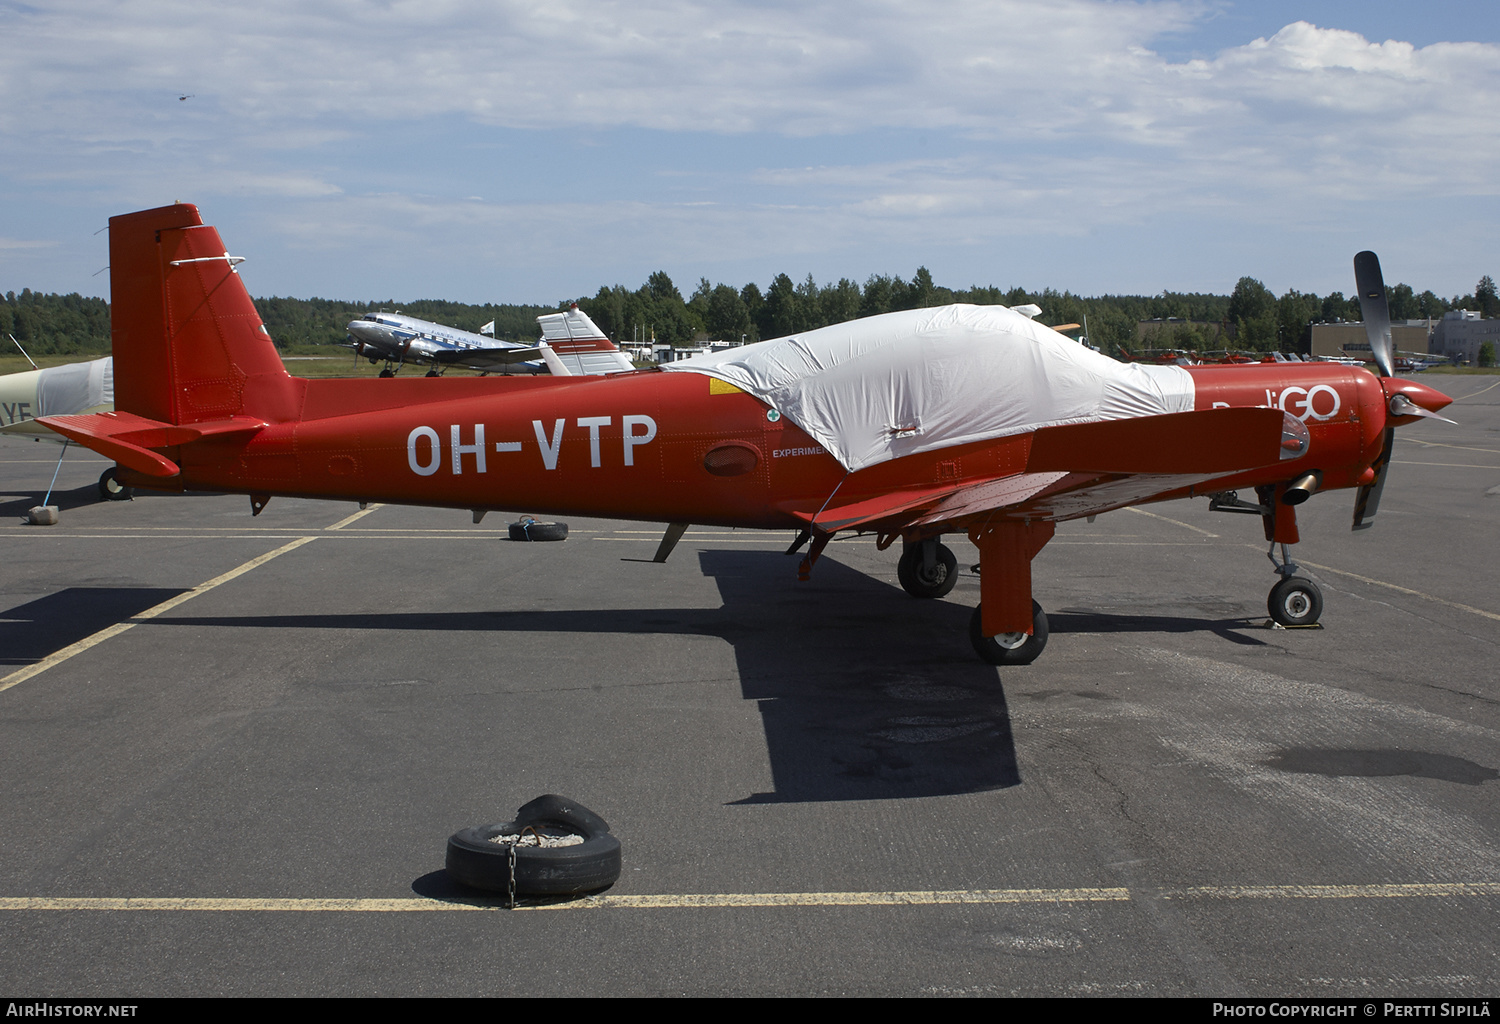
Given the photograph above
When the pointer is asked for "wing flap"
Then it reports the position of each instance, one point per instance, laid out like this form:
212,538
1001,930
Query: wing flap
871,510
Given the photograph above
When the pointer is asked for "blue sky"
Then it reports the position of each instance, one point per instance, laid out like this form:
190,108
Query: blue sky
512,152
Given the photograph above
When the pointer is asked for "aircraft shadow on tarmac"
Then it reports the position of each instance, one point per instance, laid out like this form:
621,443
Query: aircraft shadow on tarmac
30,632
15,506
864,692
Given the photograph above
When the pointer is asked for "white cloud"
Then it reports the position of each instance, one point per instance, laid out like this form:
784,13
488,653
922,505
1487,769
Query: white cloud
1052,118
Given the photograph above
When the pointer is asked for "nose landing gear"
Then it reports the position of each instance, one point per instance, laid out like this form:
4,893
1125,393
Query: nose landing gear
1294,600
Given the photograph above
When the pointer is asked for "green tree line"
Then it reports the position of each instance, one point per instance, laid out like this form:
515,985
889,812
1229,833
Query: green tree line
1252,315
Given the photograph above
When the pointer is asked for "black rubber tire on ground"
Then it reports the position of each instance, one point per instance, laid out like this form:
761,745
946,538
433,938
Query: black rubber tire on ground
919,583
111,489
1295,601
1010,648
530,529
559,871
388,372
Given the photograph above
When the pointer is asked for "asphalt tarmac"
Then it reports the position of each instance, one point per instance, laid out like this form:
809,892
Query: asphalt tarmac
232,750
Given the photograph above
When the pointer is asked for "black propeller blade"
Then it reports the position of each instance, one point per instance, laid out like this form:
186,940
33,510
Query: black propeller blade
1377,317
1367,500
1373,309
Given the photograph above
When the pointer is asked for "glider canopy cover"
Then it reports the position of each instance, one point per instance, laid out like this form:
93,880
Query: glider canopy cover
888,386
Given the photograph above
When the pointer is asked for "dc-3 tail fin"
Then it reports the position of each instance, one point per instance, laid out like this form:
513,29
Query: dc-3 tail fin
191,356
578,344
188,344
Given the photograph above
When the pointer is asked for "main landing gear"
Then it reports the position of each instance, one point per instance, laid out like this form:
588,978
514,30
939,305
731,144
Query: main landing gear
110,489
1009,648
927,568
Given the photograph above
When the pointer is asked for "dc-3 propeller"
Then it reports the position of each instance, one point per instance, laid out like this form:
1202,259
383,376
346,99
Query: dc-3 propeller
1377,318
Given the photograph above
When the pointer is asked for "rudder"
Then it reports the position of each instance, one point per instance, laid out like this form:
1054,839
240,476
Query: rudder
188,344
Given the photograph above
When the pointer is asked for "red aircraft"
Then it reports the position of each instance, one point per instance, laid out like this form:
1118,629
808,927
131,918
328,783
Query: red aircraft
911,425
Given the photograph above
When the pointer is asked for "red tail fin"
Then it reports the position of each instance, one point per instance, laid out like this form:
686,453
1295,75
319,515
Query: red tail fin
188,344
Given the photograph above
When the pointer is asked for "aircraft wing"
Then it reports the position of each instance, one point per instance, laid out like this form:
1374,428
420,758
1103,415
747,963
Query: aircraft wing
1083,469
485,358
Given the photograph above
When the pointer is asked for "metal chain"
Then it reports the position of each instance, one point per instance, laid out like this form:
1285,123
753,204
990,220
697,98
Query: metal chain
511,892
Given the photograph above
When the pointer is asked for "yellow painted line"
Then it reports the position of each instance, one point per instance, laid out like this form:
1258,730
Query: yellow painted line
355,517
1175,522
58,657
1334,892
1402,590
705,901
1479,392
356,534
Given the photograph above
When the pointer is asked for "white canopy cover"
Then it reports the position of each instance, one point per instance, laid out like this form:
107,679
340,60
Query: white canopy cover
887,386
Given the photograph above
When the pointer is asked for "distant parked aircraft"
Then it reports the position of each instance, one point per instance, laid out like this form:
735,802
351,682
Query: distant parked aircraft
571,345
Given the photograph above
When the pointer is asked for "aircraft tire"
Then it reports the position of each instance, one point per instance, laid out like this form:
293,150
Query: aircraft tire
1010,649
530,529
594,864
918,583
1295,601
110,489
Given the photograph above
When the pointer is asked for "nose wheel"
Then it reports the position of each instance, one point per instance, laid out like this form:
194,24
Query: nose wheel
1294,600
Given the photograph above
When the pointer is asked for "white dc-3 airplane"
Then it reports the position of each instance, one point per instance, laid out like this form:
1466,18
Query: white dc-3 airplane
571,346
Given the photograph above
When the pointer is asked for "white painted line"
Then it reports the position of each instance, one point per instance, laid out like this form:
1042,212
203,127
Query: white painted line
1402,590
355,517
1175,522
58,657
763,900
1446,465
1458,447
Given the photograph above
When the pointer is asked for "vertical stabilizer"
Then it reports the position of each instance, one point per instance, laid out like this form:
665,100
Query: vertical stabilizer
188,344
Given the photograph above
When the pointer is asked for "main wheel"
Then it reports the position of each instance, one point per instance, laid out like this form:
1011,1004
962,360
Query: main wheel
919,581
1295,602
110,489
387,372
1010,648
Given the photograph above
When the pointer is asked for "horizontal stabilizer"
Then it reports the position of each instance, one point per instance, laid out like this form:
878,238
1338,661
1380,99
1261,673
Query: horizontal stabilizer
128,438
